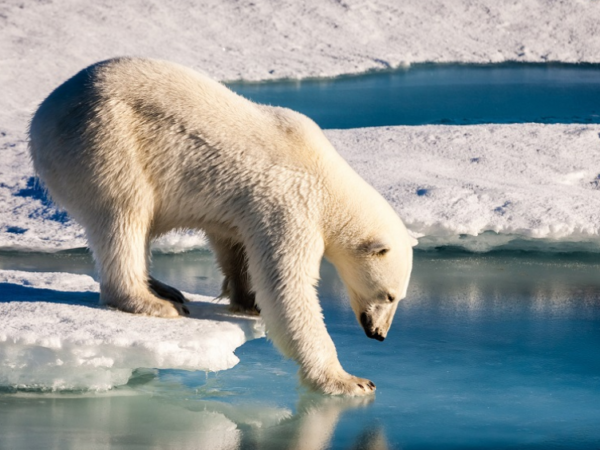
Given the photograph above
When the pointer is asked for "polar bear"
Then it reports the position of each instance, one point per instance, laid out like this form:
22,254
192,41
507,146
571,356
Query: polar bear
133,148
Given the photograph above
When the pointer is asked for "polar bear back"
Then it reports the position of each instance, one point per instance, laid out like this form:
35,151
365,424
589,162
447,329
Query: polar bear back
185,135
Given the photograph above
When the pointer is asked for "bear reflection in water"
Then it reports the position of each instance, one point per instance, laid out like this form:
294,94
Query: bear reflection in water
159,422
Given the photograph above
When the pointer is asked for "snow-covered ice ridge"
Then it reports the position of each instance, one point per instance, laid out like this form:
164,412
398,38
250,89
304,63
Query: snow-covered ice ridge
512,186
53,335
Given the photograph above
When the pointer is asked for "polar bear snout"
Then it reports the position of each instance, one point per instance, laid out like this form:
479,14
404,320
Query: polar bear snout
376,318
371,331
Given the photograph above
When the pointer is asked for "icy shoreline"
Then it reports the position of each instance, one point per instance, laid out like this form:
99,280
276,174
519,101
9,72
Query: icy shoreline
53,335
479,187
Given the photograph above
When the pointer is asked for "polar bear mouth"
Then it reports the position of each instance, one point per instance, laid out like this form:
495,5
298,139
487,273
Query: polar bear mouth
367,323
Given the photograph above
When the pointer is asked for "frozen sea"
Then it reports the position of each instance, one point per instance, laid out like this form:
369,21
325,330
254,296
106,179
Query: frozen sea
496,344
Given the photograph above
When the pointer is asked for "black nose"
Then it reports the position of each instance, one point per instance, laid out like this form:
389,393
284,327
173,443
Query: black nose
367,325
377,336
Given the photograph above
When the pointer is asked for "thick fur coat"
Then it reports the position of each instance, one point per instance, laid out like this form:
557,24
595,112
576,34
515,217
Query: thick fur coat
133,148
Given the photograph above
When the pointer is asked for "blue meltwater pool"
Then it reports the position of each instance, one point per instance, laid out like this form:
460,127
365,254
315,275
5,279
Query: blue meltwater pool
450,94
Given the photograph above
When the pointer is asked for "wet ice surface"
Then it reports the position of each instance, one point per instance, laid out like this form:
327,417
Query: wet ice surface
491,351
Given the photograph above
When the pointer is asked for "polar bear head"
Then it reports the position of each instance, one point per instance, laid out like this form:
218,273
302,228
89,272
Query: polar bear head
375,263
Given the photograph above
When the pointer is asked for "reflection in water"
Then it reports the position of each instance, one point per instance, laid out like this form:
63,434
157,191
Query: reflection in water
259,425
543,283
466,279
130,420
99,422
313,426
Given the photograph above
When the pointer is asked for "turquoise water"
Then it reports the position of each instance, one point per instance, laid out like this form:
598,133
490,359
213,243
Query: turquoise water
487,351
443,94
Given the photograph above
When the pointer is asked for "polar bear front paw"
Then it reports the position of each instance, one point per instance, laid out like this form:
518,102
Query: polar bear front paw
342,384
353,386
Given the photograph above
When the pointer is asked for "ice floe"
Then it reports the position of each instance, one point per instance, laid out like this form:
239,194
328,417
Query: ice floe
267,39
54,335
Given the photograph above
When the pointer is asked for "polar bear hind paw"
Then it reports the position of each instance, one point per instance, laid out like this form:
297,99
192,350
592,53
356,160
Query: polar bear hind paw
237,309
165,291
165,309
152,306
241,300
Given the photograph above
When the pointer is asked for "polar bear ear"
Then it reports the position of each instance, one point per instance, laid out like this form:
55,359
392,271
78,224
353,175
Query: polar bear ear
412,238
376,247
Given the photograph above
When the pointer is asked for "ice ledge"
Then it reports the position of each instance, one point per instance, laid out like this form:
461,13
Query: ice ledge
53,335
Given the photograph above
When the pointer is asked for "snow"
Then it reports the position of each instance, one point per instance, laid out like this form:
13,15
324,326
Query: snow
526,186
53,335
43,43
267,39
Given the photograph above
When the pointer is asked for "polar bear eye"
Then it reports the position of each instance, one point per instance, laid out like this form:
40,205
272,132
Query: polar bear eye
375,248
390,298
382,252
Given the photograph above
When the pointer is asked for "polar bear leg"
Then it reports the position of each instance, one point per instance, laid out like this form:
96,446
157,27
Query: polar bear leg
290,308
232,260
119,241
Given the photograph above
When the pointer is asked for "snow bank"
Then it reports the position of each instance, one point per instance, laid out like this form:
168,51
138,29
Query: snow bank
53,335
523,186
528,186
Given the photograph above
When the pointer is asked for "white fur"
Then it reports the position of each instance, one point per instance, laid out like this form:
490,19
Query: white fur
133,148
